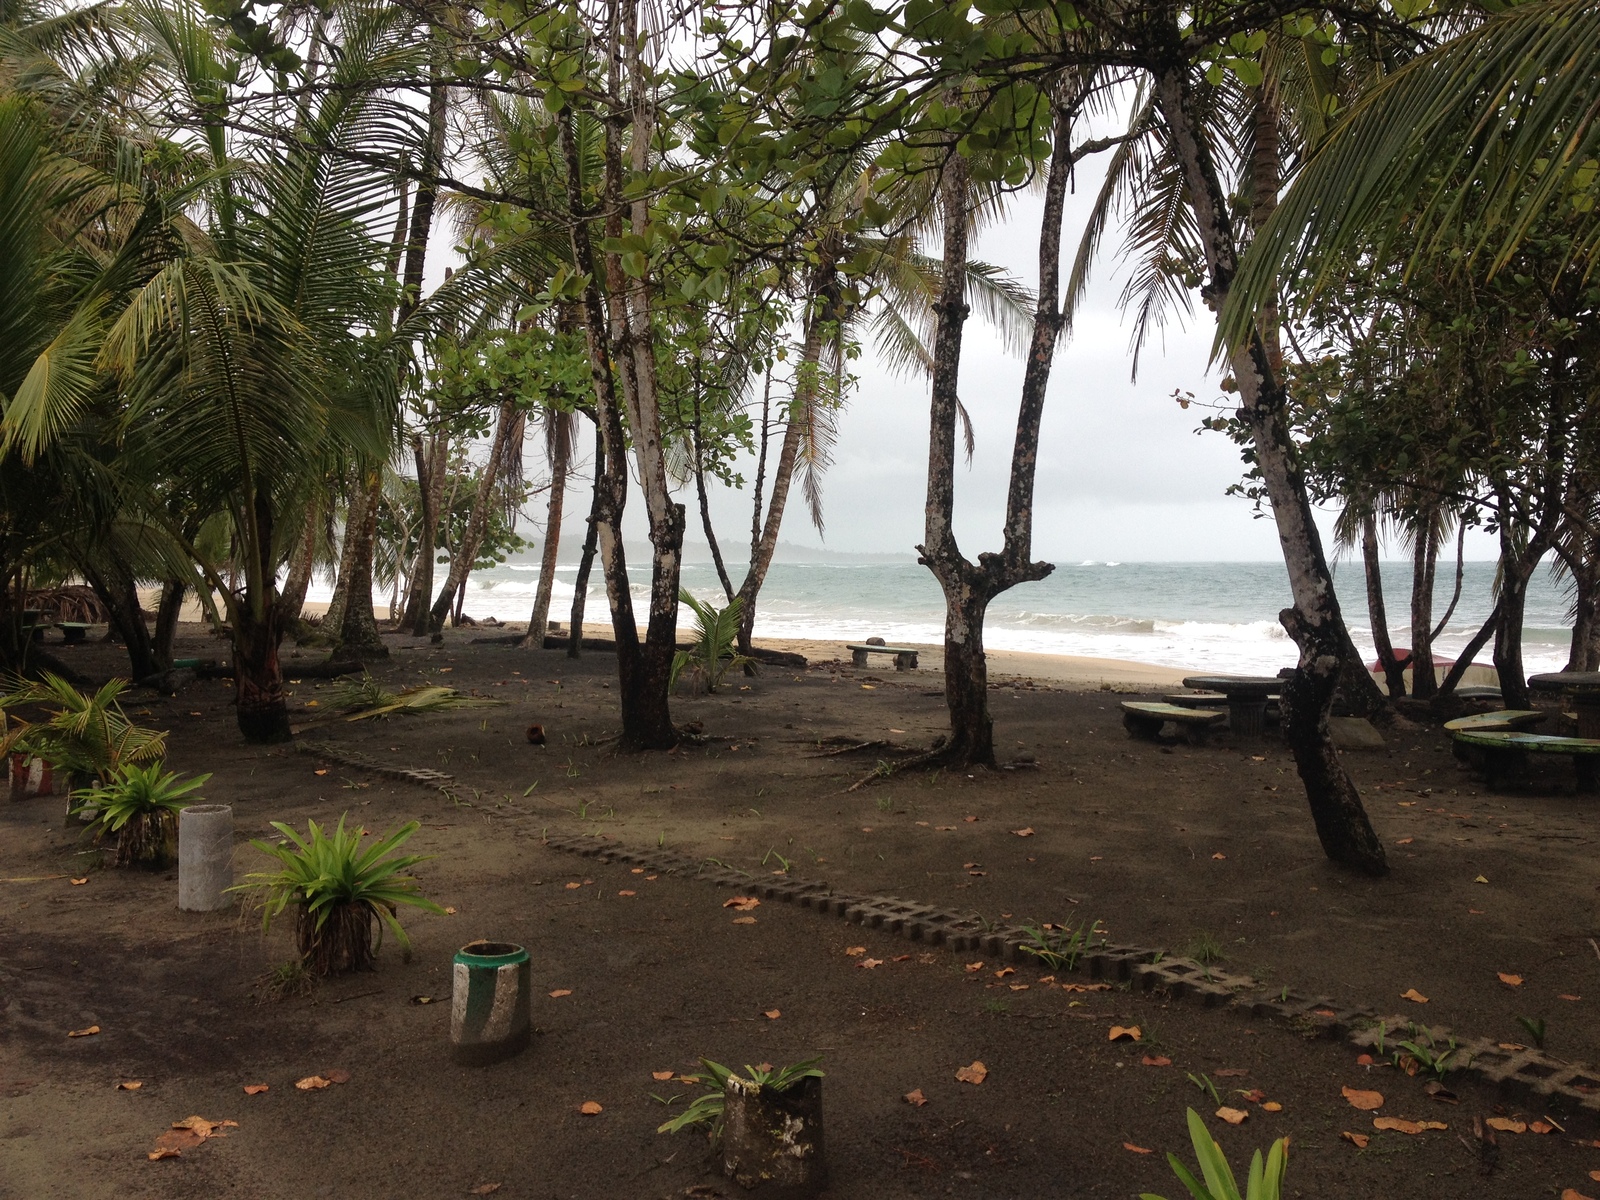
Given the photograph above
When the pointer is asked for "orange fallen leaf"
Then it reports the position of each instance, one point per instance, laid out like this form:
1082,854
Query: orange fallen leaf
560,992
1125,1033
1156,1060
1233,1116
915,1098
975,1074
1136,1149
255,1089
484,1189
1364,1060
1507,1125
591,1108
1004,971
203,1128
164,1152
772,1014
742,903
1567,996
1367,1101
626,892
1575,1194
1401,1125
89,1032
1230,1073
320,771
977,966
661,1076
1540,1127
312,1083
1028,832
855,951
1272,1106
574,885
1594,1175
744,920
1085,987
1509,980
969,820
129,1085
637,871
80,882
1405,841
1414,996
1358,1140
1219,856
449,911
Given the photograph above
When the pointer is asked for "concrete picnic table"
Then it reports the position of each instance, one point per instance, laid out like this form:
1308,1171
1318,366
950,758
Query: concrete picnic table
1583,687
1247,698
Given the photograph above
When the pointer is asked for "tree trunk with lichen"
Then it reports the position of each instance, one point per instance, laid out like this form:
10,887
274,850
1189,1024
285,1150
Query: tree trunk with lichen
1315,622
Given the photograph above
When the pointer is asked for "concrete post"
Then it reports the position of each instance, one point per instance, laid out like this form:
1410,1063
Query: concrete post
205,857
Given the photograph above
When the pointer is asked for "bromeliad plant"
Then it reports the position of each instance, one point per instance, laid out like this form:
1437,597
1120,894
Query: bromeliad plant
707,1109
340,890
1265,1181
140,806
715,635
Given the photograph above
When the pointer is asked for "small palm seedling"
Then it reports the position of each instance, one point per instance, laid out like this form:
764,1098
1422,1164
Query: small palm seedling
364,699
1265,1181
1059,947
1204,1083
1535,1028
716,630
1205,949
707,1109
87,735
340,891
140,806
1421,1052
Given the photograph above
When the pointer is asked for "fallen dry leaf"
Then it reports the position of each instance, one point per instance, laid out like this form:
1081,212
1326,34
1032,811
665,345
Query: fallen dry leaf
1414,996
975,1074
1028,832
855,951
1567,996
1231,1073
1439,1092
626,892
977,966
1219,856
255,1089
744,920
164,1152
1507,1125
1540,1127
969,820
449,911
1405,841
204,1128
661,1076
89,1032
312,1083
560,992
1156,1060
742,903
1401,1125
1124,1033
1366,1101
1509,980
869,963
1594,1175
591,1108
1136,1149
1004,971
1575,1194
80,882
574,886
484,1189
1480,879
1272,1106
129,1085
772,1014
915,1098
1233,1116
1085,987
1358,1140
1254,1095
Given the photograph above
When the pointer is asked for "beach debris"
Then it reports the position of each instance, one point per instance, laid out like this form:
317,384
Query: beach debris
974,1074
1364,1100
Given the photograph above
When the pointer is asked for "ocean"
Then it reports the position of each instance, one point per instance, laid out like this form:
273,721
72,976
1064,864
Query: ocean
1205,616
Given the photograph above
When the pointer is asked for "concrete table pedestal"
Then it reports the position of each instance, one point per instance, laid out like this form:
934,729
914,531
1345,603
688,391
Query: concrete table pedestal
205,857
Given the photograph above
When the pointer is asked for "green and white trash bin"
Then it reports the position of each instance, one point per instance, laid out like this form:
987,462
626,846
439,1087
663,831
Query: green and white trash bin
489,1004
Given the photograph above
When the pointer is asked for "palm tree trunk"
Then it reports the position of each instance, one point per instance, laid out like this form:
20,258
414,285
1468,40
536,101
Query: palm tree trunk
560,444
1393,673
432,462
1315,622
119,591
260,707
580,585
1424,562
300,572
167,614
462,555
357,632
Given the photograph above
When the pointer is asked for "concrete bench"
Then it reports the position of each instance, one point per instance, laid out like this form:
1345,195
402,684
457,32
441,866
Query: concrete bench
1504,754
73,631
1198,700
1144,719
1505,720
905,659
